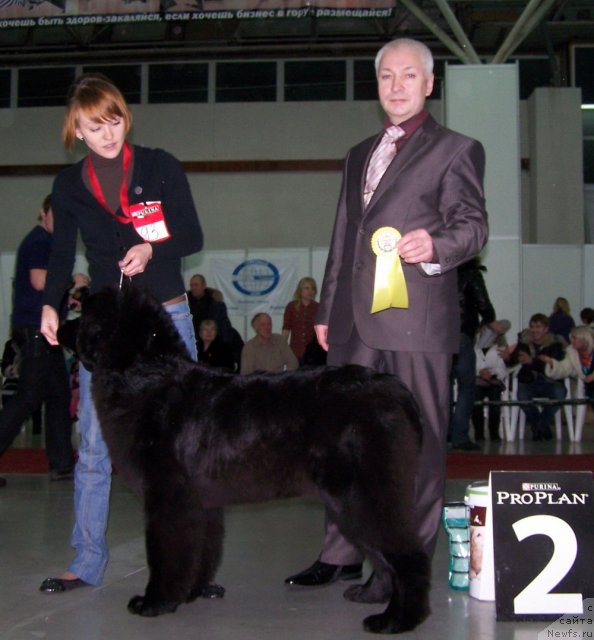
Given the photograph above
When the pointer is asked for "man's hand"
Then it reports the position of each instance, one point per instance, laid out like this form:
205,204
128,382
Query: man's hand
49,324
322,335
136,259
416,246
485,374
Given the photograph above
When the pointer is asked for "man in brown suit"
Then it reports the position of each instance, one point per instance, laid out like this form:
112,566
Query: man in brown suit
427,214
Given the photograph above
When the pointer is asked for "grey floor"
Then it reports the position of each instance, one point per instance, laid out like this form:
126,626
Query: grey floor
264,544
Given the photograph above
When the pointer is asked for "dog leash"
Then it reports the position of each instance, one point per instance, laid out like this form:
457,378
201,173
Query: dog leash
129,279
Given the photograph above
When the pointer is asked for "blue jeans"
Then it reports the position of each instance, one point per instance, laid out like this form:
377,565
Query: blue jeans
464,373
92,475
540,421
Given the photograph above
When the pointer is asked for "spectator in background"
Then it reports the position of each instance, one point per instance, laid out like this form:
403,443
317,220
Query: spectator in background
207,304
533,381
587,317
578,361
560,321
266,351
491,377
474,302
42,373
212,351
79,291
298,321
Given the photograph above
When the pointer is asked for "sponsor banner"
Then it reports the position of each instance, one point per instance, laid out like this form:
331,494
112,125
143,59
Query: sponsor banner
255,285
29,13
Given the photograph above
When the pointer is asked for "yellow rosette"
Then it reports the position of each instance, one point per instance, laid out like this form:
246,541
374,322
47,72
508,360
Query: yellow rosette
389,289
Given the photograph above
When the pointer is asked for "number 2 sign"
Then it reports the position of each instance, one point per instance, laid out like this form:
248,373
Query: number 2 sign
543,543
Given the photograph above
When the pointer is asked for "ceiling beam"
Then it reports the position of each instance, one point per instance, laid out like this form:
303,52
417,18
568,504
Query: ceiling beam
437,31
458,30
530,17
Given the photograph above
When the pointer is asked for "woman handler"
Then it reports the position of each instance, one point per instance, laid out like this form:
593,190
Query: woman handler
134,211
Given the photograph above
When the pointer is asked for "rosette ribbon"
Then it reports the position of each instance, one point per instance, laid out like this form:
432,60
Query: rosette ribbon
389,289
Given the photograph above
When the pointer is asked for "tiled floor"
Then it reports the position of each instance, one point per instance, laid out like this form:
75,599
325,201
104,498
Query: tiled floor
264,544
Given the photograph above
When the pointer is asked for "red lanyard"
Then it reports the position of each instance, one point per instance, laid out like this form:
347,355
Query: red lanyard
98,192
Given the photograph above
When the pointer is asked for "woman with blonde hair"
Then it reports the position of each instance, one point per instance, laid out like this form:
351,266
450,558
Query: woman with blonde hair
298,321
133,209
560,321
578,361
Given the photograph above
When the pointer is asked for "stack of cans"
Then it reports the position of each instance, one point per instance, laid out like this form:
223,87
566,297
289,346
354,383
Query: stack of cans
456,523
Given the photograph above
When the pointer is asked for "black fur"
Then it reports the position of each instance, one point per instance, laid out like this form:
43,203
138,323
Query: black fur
192,440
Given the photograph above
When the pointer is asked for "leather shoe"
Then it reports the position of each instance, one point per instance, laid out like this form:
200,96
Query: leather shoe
2,482
466,446
322,573
61,475
59,585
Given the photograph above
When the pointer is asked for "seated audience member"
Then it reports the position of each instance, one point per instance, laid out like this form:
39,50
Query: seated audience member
491,377
578,361
266,351
212,350
77,294
587,317
298,321
207,304
533,382
560,321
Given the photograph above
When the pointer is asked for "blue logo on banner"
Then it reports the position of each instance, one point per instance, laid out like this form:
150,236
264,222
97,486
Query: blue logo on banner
255,277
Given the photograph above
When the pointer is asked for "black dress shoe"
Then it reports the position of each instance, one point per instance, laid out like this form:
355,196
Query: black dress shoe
322,573
61,475
2,482
59,585
466,446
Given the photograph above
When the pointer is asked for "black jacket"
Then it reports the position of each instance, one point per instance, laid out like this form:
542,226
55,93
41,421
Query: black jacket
473,298
156,176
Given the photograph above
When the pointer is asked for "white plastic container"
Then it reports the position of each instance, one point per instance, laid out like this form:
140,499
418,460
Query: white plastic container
481,572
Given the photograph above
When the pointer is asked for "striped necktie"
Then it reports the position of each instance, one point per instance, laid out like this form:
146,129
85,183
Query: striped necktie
381,158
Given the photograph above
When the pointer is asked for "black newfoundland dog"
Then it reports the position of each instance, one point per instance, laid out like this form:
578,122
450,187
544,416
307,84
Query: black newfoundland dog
191,440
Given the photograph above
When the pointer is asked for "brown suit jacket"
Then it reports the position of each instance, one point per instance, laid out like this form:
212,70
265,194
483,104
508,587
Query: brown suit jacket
435,182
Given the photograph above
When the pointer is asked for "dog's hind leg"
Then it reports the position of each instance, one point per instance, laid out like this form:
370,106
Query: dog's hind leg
210,554
175,534
409,603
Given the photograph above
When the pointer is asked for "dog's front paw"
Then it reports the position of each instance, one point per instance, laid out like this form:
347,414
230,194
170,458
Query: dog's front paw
383,623
397,622
140,606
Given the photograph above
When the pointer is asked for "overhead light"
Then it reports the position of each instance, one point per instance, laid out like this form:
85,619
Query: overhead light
588,106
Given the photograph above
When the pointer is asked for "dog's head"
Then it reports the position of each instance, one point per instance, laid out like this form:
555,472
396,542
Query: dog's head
118,328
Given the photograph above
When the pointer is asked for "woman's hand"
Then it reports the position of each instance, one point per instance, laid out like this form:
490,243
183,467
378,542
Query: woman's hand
136,259
49,324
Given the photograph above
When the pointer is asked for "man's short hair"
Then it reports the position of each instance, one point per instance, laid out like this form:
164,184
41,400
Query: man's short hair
257,317
419,47
539,318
